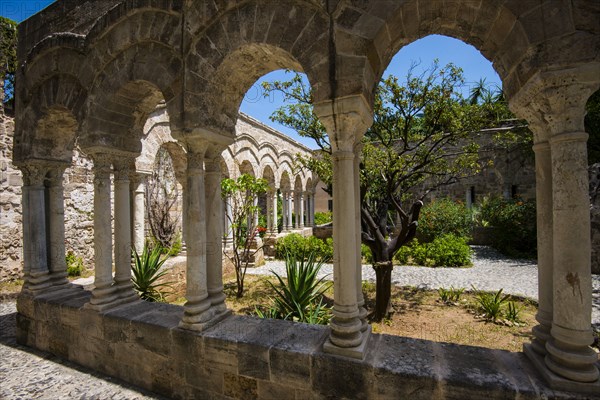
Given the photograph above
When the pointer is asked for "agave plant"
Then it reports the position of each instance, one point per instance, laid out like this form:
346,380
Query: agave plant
147,272
491,303
300,298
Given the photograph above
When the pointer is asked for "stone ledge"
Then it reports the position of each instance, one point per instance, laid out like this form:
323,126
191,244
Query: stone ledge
244,356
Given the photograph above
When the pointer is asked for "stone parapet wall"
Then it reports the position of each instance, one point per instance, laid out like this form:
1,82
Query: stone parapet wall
251,358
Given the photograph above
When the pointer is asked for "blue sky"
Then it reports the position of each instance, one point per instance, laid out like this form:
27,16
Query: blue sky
424,51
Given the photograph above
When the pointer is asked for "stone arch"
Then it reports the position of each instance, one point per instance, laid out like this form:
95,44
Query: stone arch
269,176
284,169
48,127
127,91
285,182
246,167
265,38
228,163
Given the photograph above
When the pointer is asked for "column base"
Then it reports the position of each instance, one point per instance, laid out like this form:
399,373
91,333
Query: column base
555,381
202,326
358,352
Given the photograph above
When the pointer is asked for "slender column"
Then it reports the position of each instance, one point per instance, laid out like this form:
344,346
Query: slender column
346,120
275,201
269,212
543,182
196,308
214,233
35,255
104,292
362,311
284,195
56,208
139,211
255,215
311,213
300,215
290,221
228,230
569,353
123,284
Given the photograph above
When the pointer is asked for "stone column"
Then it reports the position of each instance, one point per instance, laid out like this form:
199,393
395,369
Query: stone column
228,237
255,215
56,209
569,353
197,307
269,212
214,234
139,211
290,220
275,217
284,217
123,284
543,182
346,120
300,215
362,311
35,252
554,104
104,292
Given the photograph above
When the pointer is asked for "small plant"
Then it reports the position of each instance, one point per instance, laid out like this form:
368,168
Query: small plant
490,304
147,272
300,297
74,264
322,218
512,312
450,296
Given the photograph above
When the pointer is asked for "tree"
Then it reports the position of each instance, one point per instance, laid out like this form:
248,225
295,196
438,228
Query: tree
240,194
417,143
8,59
161,196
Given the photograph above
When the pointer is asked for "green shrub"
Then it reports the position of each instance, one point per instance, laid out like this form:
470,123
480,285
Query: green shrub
74,264
514,220
147,271
365,252
300,296
442,217
171,251
297,244
445,251
322,218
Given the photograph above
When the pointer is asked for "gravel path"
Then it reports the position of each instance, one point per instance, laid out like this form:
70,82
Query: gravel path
491,271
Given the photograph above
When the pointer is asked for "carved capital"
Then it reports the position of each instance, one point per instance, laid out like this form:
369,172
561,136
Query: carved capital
553,102
56,174
123,168
102,166
34,174
195,163
346,120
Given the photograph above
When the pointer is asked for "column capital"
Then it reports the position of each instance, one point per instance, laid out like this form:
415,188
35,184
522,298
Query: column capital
195,163
346,119
34,174
123,168
553,102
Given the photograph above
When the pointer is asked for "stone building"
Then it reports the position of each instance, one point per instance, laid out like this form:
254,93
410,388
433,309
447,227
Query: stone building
91,72
258,150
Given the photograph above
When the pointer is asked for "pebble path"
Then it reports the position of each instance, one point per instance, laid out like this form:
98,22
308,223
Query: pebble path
491,271
31,374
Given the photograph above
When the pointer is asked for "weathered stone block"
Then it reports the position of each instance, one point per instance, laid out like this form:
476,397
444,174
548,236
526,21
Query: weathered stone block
253,348
340,377
240,387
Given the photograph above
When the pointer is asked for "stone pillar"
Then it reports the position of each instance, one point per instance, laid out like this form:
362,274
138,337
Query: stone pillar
275,217
300,215
228,237
104,292
346,120
543,168
123,284
284,211
362,311
35,252
139,211
553,102
197,307
290,220
56,209
255,215
569,354
269,212
214,234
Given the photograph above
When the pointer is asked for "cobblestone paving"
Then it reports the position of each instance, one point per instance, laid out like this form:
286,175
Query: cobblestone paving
491,271
30,374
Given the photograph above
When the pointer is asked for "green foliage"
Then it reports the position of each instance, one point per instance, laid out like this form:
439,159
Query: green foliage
450,296
74,264
240,194
513,311
147,271
443,217
490,304
172,250
300,296
8,56
322,218
514,221
445,251
366,254
298,245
